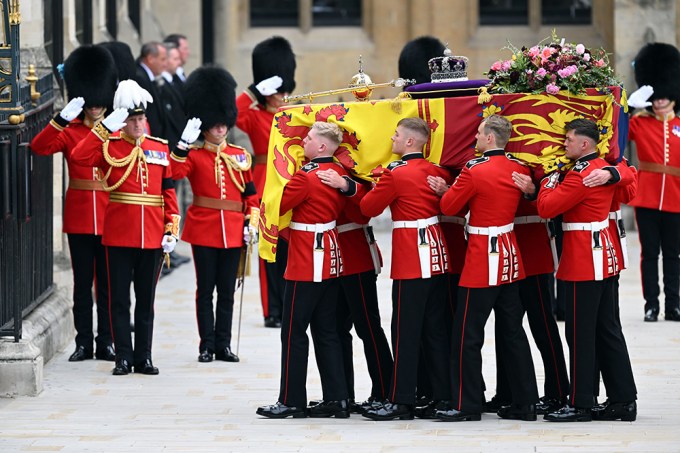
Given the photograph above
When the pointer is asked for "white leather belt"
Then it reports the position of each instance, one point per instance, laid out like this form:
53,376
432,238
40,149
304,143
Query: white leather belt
345,227
597,241
422,240
452,219
420,223
317,244
370,239
493,232
617,216
527,219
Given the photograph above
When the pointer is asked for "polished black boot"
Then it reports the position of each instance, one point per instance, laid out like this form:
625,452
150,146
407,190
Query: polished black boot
448,414
226,355
390,411
547,405
280,410
146,367
205,356
271,321
122,368
106,353
652,315
80,354
495,403
569,414
526,412
626,412
337,409
673,314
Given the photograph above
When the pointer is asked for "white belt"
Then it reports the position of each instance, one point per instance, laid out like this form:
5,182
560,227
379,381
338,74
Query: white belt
317,244
618,217
493,246
596,241
420,223
452,219
526,219
372,245
345,227
422,241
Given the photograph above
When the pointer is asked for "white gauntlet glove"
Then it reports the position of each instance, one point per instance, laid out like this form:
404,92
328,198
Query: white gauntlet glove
191,132
168,243
638,100
116,120
72,109
269,86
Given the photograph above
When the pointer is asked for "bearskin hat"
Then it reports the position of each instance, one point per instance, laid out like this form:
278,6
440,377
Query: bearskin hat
415,55
122,55
658,65
90,73
210,94
274,56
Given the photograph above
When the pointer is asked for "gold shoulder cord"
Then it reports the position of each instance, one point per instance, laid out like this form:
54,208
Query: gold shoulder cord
232,164
130,160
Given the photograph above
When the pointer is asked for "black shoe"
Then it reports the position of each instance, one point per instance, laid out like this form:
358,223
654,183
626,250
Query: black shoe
422,401
494,404
122,368
526,412
280,410
547,405
626,412
651,315
226,355
146,367
673,315
80,354
449,414
569,414
354,407
271,321
107,353
429,412
337,409
390,411
205,356
371,403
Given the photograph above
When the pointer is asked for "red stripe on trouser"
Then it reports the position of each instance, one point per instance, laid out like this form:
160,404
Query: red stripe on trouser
375,347
547,330
264,288
290,330
396,345
108,278
573,374
460,360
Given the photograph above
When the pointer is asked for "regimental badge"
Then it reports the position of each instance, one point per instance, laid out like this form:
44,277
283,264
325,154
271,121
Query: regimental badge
396,164
156,157
310,167
477,161
676,130
579,167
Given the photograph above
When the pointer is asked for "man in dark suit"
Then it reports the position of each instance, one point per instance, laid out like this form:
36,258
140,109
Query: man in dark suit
172,100
182,44
150,64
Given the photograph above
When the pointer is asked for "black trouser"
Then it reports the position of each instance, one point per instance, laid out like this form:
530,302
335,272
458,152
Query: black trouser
215,268
272,283
88,260
593,330
659,231
140,267
474,308
419,314
534,292
358,306
310,304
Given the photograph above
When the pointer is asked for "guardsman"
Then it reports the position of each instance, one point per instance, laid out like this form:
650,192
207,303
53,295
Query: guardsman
141,219
224,193
273,64
419,268
90,76
588,265
314,265
493,266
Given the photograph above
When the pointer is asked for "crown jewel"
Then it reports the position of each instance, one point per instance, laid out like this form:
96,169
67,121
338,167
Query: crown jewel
449,68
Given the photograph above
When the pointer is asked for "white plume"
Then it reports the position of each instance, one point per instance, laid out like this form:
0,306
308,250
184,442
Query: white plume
130,95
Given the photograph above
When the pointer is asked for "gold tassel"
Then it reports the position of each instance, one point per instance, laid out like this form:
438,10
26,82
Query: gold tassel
396,102
483,96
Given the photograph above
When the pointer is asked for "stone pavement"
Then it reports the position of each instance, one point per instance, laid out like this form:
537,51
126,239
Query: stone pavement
211,407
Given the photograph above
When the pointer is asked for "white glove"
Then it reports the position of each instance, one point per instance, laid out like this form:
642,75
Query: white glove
72,109
269,86
191,132
638,100
168,243
116,120
250,235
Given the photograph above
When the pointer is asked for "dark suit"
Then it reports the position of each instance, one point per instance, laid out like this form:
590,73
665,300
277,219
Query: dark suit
154,112
172,102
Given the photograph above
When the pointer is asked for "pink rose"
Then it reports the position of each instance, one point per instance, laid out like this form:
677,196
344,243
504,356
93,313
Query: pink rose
506,65
580,49
534,51
496,66
586,56
546,52
540,73
599,63
551,88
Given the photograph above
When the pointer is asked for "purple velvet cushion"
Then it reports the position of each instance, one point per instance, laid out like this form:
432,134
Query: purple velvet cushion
446,89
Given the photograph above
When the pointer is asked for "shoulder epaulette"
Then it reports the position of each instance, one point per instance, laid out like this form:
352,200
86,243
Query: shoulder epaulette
396,164
157,139
237,147
579,167
644,113
514,159
309,167
480,160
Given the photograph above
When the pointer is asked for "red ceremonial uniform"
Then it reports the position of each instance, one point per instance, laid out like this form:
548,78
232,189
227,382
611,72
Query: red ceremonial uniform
215,219
581,205
314,205
658,148
415,208
624,194
533,239
85,200
144,204
354,239
493,199
255,120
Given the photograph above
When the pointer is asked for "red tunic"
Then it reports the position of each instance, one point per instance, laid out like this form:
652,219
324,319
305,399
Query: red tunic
354,244
129,224
206,226
312,202
580,204
404,188
624,194
453,228
255,120
83,209
486,186
533,240
658,149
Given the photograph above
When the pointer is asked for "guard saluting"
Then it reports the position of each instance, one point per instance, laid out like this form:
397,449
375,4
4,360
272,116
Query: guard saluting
141,218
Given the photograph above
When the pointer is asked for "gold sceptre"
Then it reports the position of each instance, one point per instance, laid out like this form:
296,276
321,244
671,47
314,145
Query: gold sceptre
360,86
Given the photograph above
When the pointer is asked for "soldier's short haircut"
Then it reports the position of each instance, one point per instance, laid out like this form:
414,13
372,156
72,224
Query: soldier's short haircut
149,49
584,128
417,126
500,127
174,38
330,131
